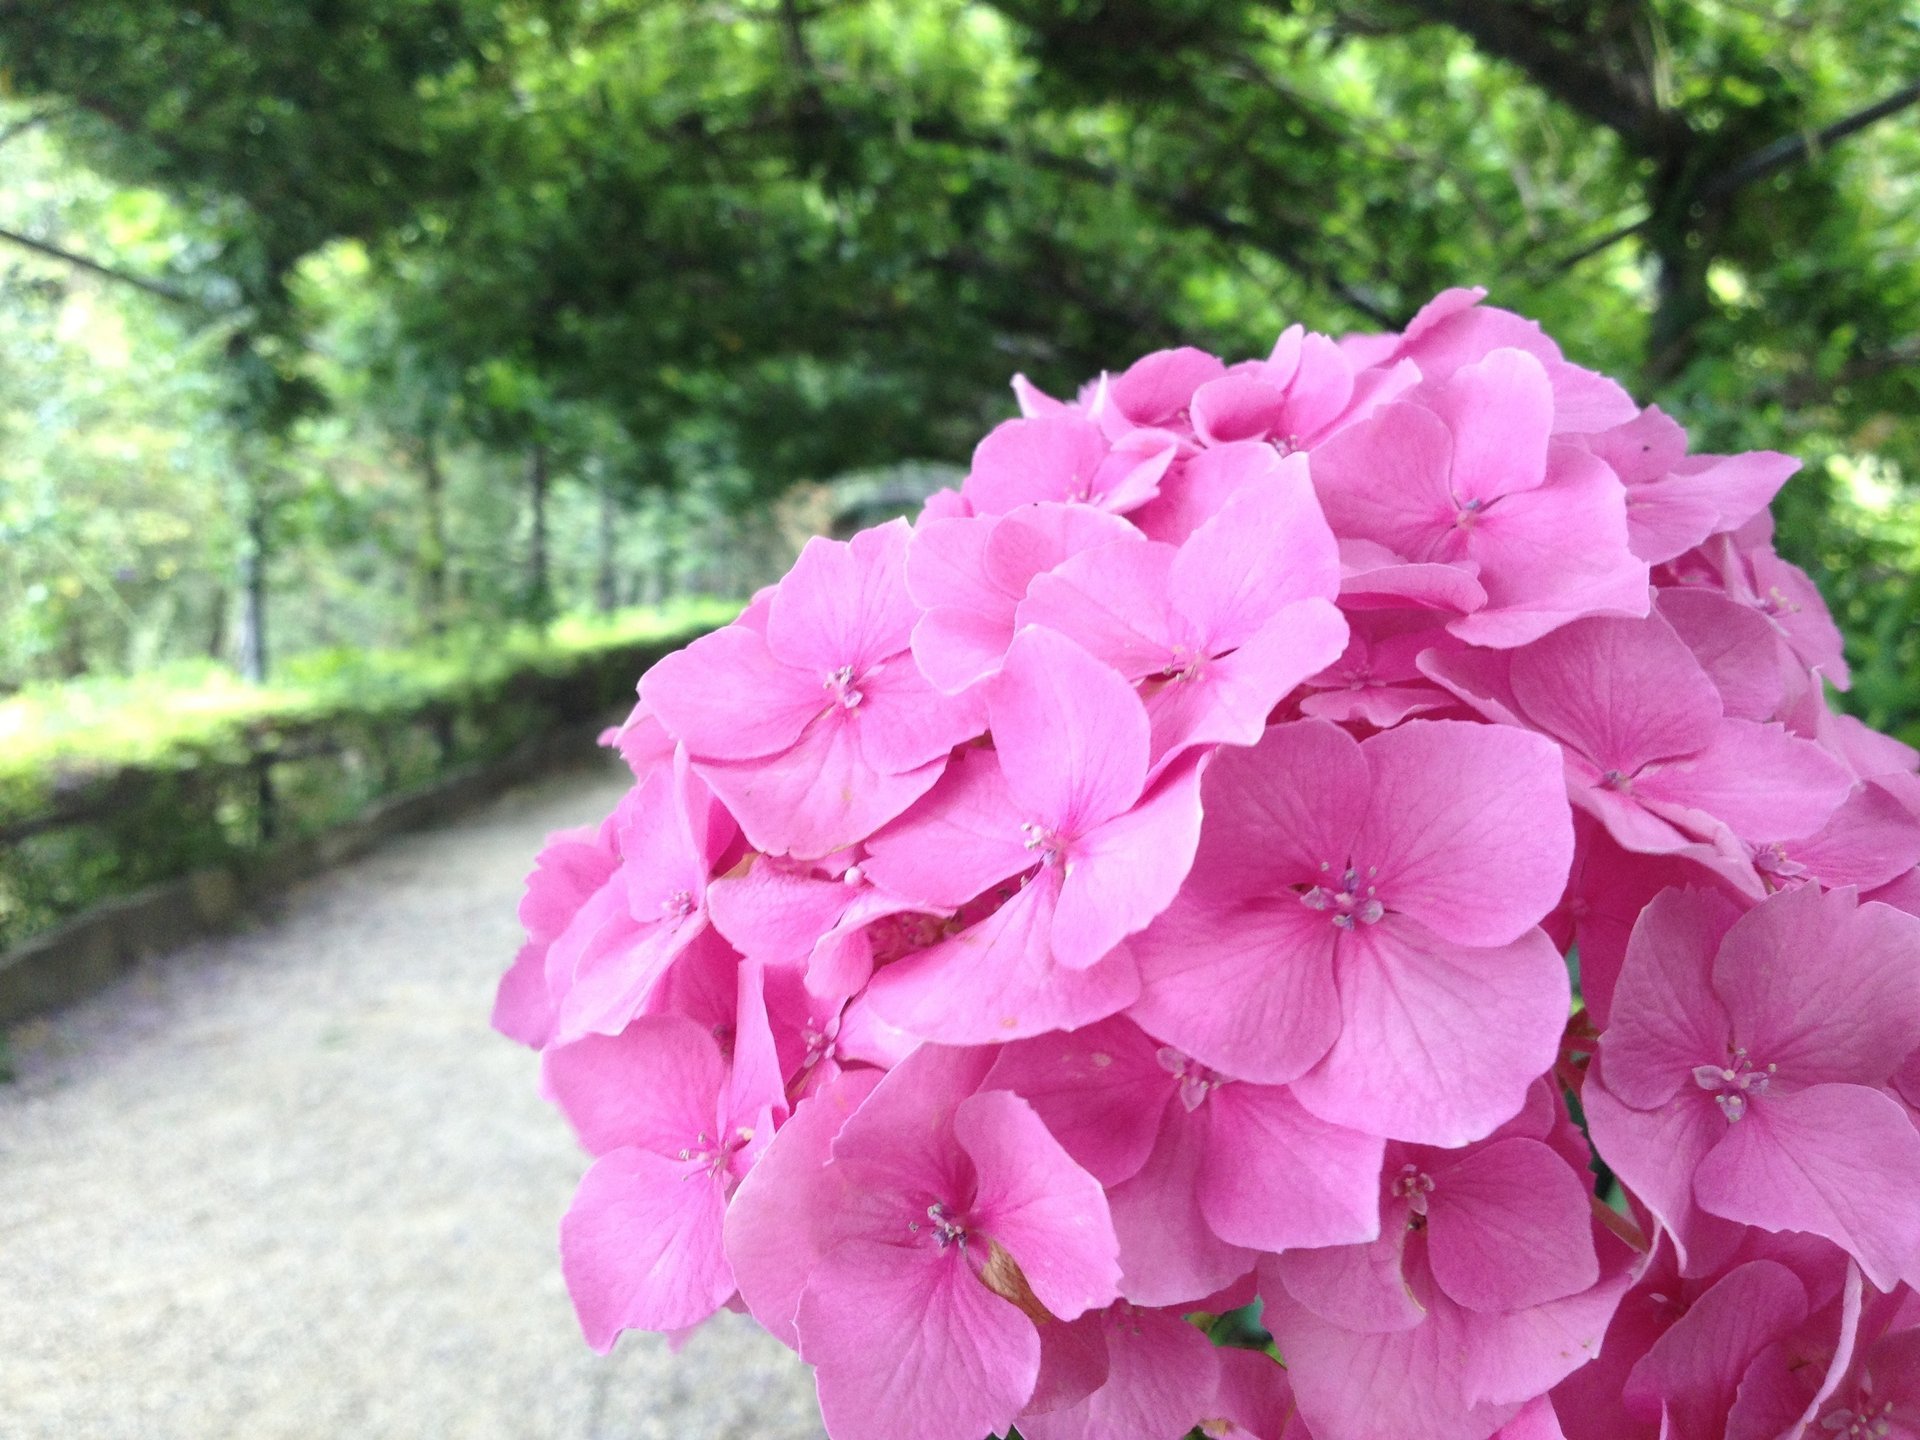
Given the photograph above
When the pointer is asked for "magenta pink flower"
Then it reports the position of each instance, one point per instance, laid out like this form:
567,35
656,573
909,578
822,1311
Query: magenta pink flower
1301,393
843,732
943,1226
1240,766
1373,907
970,576
1221,626
1468,474
1202,1172
1737,1079
574,866
1650,750
1159,1376
1061,805
1066,458
674,1125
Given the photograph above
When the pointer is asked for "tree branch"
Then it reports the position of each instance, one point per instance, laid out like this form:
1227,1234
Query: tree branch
94,267
1523,36
1790,150
1769,159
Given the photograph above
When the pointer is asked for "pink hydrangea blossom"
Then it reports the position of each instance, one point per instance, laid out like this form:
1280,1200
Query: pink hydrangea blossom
1318,896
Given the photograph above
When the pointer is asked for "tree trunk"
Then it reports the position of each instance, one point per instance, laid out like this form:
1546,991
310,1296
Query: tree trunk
539,581
433,543
606,581
251,636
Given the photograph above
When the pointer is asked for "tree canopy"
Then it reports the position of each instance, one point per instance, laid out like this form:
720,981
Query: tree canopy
670,252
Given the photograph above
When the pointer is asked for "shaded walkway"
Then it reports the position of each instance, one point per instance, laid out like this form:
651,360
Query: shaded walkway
288,1184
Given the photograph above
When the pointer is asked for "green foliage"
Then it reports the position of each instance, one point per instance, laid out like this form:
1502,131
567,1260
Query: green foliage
663,258
109,785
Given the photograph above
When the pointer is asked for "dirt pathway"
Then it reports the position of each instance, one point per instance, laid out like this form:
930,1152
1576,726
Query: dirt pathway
288,1184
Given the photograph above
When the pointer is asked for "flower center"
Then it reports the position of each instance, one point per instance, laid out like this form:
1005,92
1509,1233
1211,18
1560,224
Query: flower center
678,905
840,685
1186,665
1050,844
1196,1080
1468,512
945,1227
1350,898
717,1155
1413,1185
1865,1421
1732,1084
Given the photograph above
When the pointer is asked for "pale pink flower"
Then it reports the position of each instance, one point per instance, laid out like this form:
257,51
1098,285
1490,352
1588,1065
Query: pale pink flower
1058,816
842,732
1373,909
1738,1079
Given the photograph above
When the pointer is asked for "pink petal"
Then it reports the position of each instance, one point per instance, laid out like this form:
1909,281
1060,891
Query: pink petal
1282,1178
1851,1018
1073,1364
1162,1375
655,1086
1111,601
1468,826
955,648
1841,1161
1158,387
1500,411
817,797
1238,406
1169,1255
640,1246
962,838
1761,781
775,912
1359,1288
1230,698
1121,874
997,980
1386,479
1254,1401
1872,839
1397,1385
1100,1091
1277,965
1071,735
1412,1062
697,692
1047,1212
1194,492
1666,1017
1623,692
844,603
1280,813
908,1341
522,1008
904,723
768,1240
946,566
1267,547
1694,1370
1051,457
1536,580
1656,1153
1736,646
1509,1226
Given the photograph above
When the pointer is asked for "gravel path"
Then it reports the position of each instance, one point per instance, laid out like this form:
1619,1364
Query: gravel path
288,1184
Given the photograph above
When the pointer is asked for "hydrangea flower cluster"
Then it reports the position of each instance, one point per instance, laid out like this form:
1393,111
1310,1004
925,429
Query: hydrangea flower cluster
1314,897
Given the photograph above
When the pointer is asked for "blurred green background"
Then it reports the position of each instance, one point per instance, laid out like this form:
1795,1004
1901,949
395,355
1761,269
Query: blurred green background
330,327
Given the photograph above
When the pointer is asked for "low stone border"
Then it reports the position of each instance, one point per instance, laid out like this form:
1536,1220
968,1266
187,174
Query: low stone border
90,951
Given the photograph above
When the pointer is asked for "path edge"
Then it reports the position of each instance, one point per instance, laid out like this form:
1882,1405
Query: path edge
87,953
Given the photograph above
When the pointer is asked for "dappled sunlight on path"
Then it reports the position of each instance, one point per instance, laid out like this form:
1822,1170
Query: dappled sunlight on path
288,1184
